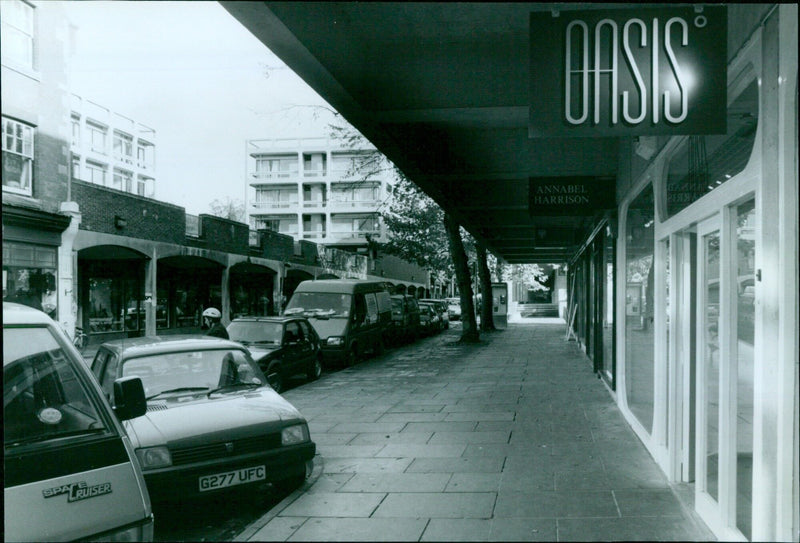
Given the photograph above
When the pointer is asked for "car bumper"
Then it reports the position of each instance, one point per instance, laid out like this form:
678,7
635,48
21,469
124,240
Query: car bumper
184,481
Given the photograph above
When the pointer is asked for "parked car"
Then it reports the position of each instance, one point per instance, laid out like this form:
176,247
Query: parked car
454,308
429,319
350,316
281,346
212,421
405,319
69,468
441,308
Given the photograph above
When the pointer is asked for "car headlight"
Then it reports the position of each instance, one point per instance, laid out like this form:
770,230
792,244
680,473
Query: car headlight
154,457
294,434
335,340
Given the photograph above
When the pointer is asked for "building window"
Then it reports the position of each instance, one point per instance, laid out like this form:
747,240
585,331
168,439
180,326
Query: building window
97,137
17,32
123,180
76,167
96,173
276,166
76,130
17,156
703,163
123,147
144,155
639,301
29,276
314,164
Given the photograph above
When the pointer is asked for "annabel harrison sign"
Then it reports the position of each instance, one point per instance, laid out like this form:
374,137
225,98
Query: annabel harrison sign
626,72
577,195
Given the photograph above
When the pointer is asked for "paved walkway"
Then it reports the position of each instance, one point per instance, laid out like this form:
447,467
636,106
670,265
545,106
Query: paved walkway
511,440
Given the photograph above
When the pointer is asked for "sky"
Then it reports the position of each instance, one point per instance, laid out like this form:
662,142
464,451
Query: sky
193,73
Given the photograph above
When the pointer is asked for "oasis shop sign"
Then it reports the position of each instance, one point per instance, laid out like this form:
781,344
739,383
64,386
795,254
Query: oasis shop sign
581,195
627,72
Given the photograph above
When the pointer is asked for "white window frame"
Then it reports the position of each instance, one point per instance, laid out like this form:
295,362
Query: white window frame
98,131
19,142
122,180
95,168
123,147
18,27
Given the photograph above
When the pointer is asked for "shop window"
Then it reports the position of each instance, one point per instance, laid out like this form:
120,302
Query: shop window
17,156
17,32
115,304
703,163
29,276
639,286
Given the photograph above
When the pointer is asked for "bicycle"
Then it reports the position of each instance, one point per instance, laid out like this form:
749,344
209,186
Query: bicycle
81,340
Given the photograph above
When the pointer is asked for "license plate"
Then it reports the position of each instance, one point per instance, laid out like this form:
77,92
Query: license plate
232,478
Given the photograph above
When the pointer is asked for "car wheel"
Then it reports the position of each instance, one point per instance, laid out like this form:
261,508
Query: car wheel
275,379
351,358
315,370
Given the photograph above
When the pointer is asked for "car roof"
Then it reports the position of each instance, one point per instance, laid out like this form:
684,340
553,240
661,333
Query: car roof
14,313
143,346
342,286
272,318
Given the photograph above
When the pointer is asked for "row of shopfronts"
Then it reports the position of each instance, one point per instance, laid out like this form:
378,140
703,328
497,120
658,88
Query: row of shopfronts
684,299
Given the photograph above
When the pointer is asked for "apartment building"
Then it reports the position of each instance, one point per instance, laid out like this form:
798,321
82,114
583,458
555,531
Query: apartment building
111,150
317,189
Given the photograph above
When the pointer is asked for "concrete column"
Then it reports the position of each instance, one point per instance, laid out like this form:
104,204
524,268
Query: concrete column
150,293
67,293
226,295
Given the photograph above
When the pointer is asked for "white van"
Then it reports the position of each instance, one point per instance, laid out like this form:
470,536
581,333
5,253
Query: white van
70,471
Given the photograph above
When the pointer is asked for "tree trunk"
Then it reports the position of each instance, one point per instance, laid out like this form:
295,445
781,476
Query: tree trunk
469,326
487,320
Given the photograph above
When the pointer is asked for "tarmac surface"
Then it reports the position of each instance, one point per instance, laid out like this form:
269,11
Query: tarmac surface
513,439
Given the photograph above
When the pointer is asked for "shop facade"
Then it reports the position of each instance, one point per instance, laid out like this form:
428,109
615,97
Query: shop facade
706,297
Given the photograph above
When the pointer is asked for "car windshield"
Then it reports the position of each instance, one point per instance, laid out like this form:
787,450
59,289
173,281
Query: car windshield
43,397
193,371
319,304
249,332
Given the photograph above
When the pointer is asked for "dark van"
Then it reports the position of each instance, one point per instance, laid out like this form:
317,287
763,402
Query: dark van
350,316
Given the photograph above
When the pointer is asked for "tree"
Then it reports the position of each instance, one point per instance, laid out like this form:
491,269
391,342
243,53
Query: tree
228,208
469,327
487,320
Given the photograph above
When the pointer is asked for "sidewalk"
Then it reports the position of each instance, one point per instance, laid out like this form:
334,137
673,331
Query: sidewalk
513,439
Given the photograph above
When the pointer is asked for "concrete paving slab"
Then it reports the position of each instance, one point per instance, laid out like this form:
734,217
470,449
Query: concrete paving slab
479,416
470,437
437,505
475,464
402,437
329,482
334,504
397,482
362,427
401,450
472,482
279,529
628,529
523,529
556,504
360,529
648,503
323,438
413,417
367,465
348,451
466,426
462,529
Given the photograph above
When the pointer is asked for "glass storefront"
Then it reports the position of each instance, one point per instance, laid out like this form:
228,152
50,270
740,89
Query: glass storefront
639,297
113,299
30,276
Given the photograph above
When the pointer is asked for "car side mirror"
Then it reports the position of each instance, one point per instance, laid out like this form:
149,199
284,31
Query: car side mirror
129,399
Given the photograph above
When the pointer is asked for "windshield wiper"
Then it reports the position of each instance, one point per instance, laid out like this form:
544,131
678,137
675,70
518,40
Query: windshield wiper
179,389
46,436
232,385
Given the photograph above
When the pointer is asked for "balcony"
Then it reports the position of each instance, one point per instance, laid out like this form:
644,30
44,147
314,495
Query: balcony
349,205
265,177
317,204
314,235
276,205
315,173
354,235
